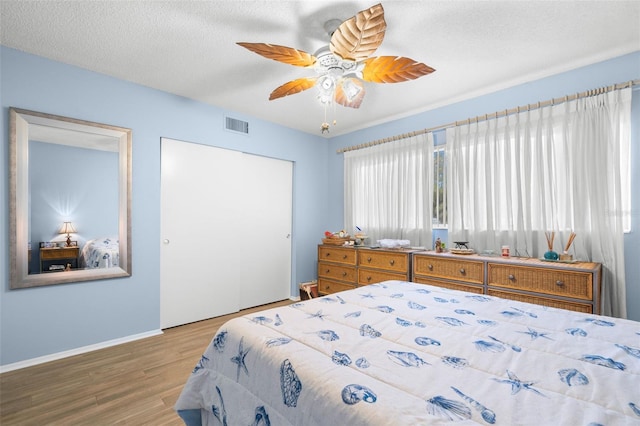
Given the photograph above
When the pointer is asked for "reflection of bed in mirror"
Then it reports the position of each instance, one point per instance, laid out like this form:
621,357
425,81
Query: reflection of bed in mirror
100,253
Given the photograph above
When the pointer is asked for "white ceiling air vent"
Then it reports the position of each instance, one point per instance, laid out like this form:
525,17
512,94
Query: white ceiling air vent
235,125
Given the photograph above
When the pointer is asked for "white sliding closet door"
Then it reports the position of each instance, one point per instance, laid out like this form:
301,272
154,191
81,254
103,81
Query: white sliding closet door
199,261
226,225
267,230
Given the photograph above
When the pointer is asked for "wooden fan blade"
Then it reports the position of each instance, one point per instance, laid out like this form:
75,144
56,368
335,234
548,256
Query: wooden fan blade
393,69
357,38
350,92
293,87
287,55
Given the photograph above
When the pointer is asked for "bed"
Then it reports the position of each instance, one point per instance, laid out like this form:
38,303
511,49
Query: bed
100,253
400,353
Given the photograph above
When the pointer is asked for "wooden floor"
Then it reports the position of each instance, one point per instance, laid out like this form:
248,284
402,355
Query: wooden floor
135,383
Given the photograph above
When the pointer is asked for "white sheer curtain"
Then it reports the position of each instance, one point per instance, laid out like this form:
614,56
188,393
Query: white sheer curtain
388,190
560,168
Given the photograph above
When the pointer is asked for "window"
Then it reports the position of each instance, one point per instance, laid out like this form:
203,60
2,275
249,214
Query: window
388,190
439,212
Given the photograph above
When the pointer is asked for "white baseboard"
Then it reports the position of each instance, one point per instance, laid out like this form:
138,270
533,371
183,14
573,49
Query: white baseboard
77,351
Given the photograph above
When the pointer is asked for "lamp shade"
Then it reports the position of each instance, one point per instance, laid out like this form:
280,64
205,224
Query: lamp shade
67,228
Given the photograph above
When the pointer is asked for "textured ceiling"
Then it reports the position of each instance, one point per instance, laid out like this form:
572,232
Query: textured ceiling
188,48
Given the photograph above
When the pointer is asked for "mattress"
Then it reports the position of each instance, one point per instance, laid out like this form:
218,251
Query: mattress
400,353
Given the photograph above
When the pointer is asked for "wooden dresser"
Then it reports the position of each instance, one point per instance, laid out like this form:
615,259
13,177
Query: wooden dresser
572,286
344,268
336,269
377,265
56,259
457,273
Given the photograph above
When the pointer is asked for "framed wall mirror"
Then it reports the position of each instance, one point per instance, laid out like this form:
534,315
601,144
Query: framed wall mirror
69,200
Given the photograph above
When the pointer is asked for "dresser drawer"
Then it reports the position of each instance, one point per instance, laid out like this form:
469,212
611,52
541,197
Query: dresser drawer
59,253
326,286
544,301
574,284
372,276
337,254
448,284
470,271
389,261
336,271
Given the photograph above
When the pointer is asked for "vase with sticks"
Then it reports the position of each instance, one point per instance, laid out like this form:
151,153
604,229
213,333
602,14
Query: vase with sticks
550,255
565,256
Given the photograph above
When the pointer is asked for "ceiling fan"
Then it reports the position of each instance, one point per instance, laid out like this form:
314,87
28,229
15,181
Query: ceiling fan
345,64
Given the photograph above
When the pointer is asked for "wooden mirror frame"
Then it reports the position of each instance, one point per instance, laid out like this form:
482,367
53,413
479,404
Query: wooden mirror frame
19,233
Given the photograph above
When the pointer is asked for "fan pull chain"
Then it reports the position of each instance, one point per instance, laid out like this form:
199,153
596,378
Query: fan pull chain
334,113
325,126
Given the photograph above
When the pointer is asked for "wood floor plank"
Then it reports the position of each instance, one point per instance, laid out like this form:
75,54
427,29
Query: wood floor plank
136,383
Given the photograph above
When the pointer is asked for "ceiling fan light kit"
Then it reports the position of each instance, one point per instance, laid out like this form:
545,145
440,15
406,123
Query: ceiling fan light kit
345,64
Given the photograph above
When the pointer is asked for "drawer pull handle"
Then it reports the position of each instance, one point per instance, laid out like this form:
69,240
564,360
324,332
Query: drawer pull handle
327,271
327,254
369,259
559,283
392,262
368,278
462,271
326,288
344,257
344,274
430,267
512,277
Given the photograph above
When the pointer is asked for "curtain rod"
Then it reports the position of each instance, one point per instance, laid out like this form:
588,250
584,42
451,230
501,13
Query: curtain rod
496,114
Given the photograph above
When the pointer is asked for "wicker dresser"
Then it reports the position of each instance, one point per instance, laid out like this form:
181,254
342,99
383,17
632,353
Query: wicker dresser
376,265
458,273
572,286
343,268
336,269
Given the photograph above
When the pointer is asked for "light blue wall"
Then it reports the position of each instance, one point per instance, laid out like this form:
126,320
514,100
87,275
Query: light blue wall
618,70
46,320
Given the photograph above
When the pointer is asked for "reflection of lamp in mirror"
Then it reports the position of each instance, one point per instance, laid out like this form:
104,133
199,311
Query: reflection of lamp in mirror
67,228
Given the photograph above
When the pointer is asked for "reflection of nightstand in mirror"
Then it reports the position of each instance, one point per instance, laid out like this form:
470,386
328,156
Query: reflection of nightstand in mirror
56,259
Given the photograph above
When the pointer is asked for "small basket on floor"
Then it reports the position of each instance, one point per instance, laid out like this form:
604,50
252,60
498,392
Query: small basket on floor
309,290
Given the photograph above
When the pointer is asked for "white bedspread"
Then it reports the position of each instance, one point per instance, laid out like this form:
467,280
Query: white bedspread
399,353
101,253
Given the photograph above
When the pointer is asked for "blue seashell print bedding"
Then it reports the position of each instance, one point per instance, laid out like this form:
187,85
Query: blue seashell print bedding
399,353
